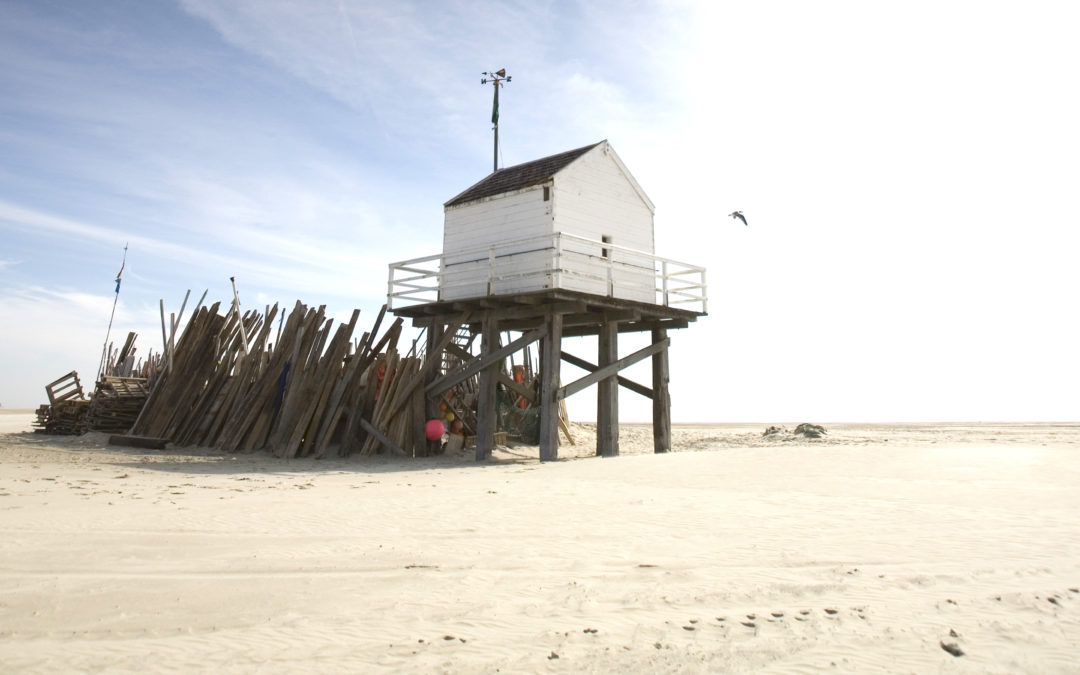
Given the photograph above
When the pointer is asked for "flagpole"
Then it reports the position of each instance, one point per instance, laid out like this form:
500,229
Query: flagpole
105,347
497,79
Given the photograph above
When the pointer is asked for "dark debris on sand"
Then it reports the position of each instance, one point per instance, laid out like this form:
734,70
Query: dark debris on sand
803,430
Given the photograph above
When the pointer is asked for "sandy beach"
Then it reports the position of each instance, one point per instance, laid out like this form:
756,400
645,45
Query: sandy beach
870,550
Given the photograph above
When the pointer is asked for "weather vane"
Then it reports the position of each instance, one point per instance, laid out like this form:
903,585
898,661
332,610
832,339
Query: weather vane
496,79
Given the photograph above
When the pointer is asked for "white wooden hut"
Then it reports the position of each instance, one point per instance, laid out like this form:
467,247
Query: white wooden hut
560,246
575,221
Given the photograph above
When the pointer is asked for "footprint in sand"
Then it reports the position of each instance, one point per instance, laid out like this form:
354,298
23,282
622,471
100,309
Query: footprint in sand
831,612
749,624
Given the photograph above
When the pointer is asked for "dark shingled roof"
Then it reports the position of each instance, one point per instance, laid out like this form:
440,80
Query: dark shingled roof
520,176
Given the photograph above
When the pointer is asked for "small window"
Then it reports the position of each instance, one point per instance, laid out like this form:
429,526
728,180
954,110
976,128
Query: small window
605,252
547,193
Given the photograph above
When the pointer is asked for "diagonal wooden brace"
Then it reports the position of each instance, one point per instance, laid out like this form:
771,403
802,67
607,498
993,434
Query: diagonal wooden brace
609,370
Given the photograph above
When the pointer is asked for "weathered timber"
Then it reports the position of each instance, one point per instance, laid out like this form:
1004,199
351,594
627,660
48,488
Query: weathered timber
145,442
485,402
65,388
607,392
550,350
380,437
662,398
592,368
607,371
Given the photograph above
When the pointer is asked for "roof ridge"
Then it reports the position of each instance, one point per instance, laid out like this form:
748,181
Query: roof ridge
520,175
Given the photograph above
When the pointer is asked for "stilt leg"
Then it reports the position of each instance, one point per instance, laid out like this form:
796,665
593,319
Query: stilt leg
485,402
550,360
607,398
661,396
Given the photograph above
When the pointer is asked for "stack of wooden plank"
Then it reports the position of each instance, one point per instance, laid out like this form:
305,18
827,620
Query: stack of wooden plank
315,388
66,412
63,418
116,403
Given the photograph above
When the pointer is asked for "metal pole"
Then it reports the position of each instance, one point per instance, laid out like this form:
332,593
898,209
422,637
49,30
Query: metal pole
105,347
496,121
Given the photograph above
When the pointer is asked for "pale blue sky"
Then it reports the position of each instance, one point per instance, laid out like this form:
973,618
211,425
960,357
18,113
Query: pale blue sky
909,172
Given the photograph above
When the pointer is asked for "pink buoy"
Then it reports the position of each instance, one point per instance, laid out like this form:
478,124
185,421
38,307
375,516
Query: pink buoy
434,430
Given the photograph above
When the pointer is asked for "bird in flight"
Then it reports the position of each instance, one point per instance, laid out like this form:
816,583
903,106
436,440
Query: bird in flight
738,216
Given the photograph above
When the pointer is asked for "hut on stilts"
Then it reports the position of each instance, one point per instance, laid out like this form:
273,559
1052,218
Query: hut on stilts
557,247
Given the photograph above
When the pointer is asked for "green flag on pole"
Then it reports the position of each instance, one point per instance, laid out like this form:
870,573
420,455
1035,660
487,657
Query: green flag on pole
495,111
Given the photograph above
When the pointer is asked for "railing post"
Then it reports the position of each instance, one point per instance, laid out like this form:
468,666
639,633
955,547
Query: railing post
439,277
663,270
390,289
704,294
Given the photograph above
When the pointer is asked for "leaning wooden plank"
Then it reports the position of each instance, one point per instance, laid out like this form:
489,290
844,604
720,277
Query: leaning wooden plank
379,436
168,397
250,417
431,361
317,388
193,367
221,390
280,428
330,372
355,406
250,425
334,409
365,344
298,389
384,394
221,363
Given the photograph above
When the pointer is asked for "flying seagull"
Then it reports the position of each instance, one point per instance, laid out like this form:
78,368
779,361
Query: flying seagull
738,216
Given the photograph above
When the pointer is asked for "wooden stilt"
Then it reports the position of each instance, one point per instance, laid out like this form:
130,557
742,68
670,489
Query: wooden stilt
550,360
485,401
661,395
607,397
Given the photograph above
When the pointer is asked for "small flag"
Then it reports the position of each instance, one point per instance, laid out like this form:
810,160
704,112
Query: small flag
120,274
495,112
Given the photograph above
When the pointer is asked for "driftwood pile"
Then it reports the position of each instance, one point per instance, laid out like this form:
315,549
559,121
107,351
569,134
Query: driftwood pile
312,391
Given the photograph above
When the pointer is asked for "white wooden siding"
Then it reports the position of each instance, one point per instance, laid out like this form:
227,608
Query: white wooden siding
506,217
593,197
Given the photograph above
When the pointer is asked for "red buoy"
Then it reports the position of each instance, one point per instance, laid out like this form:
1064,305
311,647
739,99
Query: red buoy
434,430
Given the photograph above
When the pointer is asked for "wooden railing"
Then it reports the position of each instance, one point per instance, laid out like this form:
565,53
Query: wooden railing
558,260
